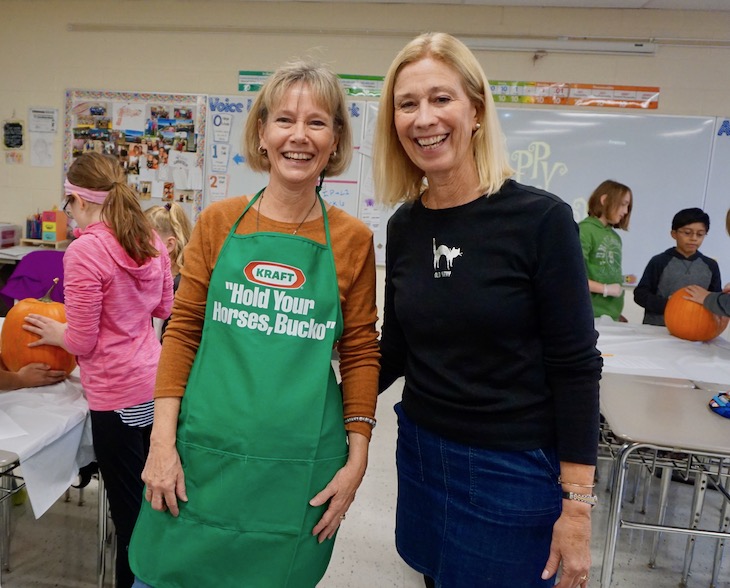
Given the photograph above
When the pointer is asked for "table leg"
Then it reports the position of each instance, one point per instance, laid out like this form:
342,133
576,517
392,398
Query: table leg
8,462
698,501
663,496
724,526
618,481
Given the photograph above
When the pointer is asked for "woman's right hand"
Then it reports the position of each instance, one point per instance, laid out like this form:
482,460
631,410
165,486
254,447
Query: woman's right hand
164,479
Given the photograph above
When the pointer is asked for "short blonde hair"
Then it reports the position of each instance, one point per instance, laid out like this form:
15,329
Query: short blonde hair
397,178
328,92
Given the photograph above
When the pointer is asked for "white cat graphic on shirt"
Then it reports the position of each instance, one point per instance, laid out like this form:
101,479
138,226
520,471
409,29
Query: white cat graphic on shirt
450,253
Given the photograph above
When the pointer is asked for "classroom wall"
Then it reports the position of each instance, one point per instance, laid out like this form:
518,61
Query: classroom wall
41,56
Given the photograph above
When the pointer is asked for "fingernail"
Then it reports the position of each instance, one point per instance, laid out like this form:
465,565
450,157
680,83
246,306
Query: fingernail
545,574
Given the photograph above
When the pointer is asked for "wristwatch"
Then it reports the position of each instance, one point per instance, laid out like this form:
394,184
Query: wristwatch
591,499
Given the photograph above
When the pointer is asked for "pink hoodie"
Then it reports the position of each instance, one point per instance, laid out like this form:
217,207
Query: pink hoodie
109,304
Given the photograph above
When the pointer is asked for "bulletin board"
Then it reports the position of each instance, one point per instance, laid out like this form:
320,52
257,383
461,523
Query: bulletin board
159,139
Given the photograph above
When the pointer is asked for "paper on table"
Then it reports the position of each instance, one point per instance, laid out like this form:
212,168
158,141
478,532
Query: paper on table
9,428
631,363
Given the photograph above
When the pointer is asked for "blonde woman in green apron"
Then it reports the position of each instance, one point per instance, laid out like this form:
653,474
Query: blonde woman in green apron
256,453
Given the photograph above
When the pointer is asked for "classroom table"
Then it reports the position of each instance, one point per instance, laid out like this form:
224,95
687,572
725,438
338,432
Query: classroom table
654,396
46,433
648,350
49,430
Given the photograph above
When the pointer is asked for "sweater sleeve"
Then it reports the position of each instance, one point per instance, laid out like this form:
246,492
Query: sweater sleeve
645,293
718,303
83,289
392,342
572,362
715,280
358,345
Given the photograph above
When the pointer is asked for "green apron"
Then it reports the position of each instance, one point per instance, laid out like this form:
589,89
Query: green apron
261,426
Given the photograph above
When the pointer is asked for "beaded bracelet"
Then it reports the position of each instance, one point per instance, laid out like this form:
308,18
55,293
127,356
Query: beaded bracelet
560,481
361,419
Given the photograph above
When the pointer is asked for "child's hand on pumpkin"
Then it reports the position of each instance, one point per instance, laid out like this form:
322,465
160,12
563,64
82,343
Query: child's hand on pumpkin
696,294
50,330
39,374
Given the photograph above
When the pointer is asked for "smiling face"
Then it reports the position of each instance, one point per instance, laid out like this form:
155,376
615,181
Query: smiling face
299,138
434,118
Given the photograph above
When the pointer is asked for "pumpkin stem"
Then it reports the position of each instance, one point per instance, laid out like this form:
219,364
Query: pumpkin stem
47,296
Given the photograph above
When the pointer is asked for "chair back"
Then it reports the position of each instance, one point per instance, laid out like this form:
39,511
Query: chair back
33,276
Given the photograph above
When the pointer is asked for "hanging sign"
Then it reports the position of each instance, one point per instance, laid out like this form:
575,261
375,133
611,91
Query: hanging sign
569,94
13,134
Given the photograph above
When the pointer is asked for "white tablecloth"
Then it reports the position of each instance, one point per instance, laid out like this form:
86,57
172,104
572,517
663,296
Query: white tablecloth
48,429
647,350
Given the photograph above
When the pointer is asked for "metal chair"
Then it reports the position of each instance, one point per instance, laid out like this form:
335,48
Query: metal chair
10,483
33,276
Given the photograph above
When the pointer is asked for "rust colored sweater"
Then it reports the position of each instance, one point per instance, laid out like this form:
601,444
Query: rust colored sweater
355,262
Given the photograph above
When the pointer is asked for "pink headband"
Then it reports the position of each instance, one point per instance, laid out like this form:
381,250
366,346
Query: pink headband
96,196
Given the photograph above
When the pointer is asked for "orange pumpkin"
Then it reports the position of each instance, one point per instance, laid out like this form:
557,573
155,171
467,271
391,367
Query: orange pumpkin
688,320
15,351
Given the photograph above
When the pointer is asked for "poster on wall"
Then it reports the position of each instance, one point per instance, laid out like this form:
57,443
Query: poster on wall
158,138
227,173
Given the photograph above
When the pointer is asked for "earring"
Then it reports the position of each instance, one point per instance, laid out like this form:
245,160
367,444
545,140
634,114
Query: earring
478,126
262,151
334,154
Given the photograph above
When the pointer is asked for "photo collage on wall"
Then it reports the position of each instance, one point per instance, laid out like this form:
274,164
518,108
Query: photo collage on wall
155,136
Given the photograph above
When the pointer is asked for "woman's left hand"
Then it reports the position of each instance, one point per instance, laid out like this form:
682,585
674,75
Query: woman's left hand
50,330
341,490
571,547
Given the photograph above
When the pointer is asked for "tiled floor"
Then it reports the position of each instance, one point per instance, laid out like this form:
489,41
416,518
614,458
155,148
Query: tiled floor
58,550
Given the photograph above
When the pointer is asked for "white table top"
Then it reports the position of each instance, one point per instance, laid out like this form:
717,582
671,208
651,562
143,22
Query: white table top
48,429
647,350
31,418
670,413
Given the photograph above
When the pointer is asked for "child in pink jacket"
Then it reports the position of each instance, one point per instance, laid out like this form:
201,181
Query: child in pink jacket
117,277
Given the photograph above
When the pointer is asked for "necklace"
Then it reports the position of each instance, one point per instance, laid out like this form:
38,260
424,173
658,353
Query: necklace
457,202
299,226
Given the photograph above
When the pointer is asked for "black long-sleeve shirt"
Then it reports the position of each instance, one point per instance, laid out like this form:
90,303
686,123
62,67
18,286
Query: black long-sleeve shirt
488,316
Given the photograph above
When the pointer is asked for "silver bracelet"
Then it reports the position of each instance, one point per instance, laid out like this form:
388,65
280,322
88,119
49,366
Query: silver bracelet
359,419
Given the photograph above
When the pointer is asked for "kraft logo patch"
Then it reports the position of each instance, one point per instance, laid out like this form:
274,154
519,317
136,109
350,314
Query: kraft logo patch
278,275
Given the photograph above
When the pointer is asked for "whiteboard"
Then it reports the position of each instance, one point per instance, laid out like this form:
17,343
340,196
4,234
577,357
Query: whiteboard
663,159
227,173
717,198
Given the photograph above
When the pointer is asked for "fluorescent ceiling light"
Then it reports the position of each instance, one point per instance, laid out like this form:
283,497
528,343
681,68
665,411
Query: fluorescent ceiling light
558,45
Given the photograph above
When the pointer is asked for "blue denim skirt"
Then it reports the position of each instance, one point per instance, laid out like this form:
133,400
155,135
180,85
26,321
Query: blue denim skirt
471,517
